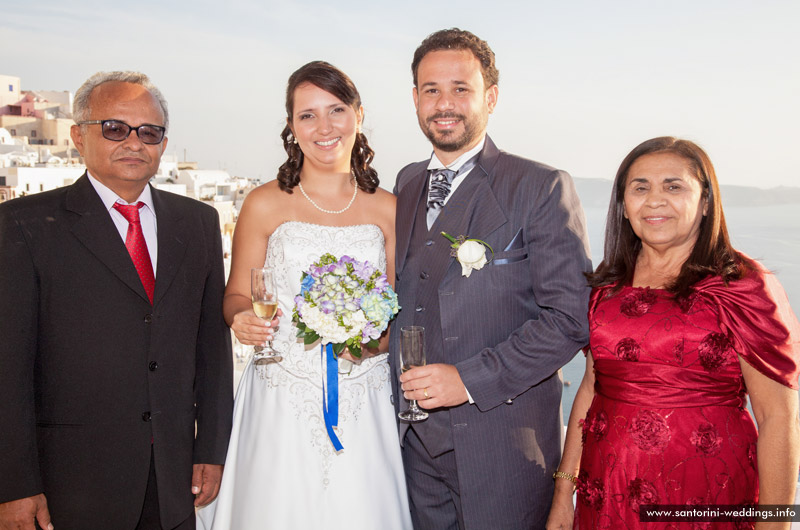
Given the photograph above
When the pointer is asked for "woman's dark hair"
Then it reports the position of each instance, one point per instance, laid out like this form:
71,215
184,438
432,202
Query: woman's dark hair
712,254
334,81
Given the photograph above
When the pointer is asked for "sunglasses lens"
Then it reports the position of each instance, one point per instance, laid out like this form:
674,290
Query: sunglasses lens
149,134
115,130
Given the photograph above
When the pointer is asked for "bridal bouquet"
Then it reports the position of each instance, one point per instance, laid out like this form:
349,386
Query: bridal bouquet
345,303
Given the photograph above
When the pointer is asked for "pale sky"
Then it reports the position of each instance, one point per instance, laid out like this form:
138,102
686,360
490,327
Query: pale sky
581,83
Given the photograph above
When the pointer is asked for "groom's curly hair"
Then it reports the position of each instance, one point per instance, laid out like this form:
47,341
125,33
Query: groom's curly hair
458,39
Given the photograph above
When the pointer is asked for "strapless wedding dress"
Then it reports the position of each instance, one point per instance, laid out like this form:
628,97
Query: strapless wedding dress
281,470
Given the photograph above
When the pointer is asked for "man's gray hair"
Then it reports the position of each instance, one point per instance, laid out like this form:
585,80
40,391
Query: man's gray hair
80,106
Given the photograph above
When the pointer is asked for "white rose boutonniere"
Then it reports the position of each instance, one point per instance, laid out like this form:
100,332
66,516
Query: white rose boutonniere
470,253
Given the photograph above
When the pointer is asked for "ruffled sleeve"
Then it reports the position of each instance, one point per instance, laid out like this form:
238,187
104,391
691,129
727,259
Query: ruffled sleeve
756,314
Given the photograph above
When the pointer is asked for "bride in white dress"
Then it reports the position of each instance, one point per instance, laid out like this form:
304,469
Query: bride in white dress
282,471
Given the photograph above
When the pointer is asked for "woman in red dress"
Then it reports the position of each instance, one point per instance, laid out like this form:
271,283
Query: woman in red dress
683,328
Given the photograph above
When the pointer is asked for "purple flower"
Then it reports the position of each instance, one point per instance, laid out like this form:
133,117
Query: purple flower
363,270
381,284
370,332
628,349
649,431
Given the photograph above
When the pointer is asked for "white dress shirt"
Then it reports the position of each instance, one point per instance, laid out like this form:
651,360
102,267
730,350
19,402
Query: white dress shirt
147,216
435,164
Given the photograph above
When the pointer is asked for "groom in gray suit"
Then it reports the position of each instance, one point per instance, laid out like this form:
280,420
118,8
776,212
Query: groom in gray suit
495,338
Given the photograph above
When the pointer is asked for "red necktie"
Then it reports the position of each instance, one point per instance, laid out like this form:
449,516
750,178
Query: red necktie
137,246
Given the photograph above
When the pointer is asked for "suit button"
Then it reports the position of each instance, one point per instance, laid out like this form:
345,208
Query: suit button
419,309
146,416
153,366
148,319
429,242
423,275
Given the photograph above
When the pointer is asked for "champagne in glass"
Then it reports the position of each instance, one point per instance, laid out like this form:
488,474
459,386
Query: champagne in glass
264,294
265,310
412,355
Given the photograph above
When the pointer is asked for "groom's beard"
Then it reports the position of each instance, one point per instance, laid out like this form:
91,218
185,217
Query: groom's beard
454,139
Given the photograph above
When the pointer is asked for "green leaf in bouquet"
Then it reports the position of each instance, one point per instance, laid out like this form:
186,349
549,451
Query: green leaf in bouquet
310,338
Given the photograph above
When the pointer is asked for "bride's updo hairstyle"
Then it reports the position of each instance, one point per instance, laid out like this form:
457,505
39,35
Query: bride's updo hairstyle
332,80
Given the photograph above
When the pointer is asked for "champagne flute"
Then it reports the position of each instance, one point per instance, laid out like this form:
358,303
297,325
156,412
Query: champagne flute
264,294
412,354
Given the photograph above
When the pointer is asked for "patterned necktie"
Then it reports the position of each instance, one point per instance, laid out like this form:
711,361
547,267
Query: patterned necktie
439,186
137,246
440,182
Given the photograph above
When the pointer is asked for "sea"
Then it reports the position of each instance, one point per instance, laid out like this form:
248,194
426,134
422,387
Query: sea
770,234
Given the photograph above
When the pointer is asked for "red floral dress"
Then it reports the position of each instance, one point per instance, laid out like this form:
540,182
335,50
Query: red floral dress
668,424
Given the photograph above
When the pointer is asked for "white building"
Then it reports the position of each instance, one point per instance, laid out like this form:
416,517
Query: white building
9,90
29,180
203,184
14,152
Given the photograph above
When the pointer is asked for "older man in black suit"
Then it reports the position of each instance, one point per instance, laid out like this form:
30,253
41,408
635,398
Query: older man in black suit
495,336
115,362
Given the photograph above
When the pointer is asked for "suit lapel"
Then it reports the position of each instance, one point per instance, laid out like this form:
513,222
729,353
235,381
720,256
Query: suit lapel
172,240
96,231
473,211
407,205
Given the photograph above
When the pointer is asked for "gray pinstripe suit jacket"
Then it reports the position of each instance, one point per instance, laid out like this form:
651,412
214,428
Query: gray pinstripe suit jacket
508,328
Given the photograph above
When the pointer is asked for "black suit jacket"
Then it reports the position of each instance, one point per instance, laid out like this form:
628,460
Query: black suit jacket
91,373
508,327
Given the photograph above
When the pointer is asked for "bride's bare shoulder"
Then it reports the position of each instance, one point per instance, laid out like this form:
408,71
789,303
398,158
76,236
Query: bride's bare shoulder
384,199
382,209
266,196
266,207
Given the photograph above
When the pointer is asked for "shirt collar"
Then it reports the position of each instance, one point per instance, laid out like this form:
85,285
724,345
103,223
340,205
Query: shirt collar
108,196
435,163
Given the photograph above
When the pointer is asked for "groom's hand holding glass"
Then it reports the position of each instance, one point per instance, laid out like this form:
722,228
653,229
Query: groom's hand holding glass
434,386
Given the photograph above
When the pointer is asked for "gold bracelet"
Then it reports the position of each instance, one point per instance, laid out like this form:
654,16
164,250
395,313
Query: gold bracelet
568,476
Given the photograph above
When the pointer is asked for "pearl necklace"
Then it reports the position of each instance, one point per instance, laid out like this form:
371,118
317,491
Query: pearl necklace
323,210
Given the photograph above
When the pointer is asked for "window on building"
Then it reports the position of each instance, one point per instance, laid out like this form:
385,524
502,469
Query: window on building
52,142
41,187
27,186
13,132
2,181
33,134
66,142
10,88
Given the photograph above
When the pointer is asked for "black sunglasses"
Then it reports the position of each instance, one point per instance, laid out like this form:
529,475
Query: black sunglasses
117,131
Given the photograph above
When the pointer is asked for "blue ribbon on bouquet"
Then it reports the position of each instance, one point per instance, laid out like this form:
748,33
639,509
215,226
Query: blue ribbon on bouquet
330,393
